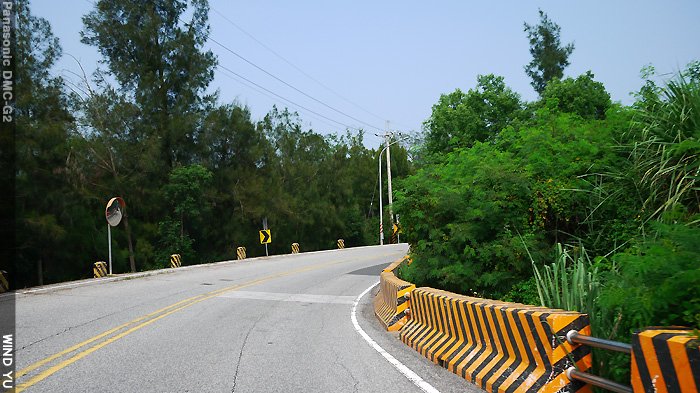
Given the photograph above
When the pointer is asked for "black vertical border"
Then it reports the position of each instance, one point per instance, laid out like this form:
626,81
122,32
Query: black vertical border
8,58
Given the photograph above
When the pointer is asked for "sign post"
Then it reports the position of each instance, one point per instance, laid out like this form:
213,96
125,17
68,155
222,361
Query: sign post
264,239
113,213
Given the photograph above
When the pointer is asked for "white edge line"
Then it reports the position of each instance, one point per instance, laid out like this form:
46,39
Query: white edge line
407,372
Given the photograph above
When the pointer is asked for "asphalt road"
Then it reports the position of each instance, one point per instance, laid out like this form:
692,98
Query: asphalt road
278,324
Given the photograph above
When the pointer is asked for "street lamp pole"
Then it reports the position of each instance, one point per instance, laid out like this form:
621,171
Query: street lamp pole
381,209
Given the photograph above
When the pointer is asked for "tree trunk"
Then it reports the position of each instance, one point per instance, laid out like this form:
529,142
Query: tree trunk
132,262
40,271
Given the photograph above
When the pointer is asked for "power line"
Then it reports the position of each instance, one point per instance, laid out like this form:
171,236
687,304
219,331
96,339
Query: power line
259,91
289,85
283,98
294,65
283,82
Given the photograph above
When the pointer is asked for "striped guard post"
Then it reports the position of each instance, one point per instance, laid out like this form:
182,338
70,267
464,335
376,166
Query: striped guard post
295,248
498,346
665,359
341,244
99,269
175,261
240,253
392,305
4,282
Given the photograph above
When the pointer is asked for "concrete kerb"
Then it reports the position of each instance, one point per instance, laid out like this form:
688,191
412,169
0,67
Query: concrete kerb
130,276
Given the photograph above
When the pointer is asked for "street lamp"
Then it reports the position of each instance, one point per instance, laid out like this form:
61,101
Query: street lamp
381,209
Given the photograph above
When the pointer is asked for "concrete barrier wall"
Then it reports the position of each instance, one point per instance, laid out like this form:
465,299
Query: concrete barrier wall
510,347
499,346
392,303
665,360
394,265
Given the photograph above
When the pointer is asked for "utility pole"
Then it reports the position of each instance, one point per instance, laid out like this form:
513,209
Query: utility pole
388,173
381,209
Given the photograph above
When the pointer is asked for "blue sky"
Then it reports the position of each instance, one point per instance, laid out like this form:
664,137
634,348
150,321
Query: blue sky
391,60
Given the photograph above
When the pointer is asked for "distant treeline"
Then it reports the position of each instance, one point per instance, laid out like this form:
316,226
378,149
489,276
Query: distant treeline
198,176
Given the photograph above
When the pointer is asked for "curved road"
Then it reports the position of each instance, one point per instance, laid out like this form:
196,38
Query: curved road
277,324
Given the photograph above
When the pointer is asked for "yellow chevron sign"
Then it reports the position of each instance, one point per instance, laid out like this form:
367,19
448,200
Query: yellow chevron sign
265,236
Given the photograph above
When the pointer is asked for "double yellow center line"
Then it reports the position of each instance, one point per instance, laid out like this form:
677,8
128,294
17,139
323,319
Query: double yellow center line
136,324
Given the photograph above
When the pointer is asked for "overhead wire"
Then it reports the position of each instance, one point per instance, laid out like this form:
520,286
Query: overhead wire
290,85
261,92
209,38
252,37
283,98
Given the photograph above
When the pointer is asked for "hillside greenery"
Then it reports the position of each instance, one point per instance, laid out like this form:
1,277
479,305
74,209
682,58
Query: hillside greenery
571,200
198,175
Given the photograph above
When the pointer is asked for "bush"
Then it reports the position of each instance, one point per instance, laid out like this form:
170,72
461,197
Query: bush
460,216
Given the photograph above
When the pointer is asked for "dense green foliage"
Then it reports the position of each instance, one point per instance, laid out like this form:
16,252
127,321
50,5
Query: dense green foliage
607,192
198,176
462,119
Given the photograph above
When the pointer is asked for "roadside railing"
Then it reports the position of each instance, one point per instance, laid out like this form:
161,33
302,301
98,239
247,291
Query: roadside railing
572,373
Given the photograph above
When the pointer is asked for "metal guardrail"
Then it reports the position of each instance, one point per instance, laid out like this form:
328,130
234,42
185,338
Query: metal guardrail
575,337
572,373
595,380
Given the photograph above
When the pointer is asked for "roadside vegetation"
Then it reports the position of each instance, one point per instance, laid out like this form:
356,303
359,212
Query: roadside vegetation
571,201
198,175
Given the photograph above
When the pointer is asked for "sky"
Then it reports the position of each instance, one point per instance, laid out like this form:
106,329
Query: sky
368,62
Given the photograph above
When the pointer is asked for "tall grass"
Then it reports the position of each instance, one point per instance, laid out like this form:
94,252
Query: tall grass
574,282
666,149
571,283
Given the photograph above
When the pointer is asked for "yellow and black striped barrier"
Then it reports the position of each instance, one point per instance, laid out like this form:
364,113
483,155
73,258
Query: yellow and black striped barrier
496,345
175,261
99,269
4,283
341,244
392,303
295,248
665,360
240,253
405,260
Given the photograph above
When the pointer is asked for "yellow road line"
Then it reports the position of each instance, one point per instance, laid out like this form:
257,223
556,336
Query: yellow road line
189,302
99,336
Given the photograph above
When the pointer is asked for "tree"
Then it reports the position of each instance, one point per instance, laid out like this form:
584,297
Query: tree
159,60
185,195
549,57
43,124
582,96
462,119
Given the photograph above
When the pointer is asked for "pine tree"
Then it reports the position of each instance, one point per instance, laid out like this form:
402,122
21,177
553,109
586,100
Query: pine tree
549,57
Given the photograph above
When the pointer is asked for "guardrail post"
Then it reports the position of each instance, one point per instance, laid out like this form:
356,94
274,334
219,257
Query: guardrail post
4,282
99,269
240,253
175,261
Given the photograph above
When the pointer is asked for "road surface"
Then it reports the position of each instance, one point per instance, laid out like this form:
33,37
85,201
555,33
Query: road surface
277,324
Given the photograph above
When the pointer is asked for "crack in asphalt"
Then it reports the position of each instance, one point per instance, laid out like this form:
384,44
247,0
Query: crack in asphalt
240,356
356,382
